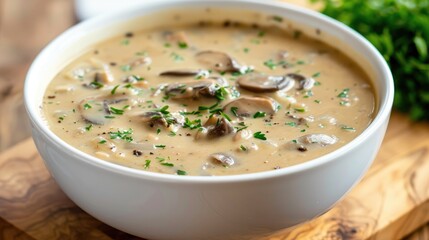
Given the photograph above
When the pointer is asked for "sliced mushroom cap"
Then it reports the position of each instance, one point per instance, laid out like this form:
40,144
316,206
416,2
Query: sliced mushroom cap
192,89
95,110
304,83
248,106
223,158
176,37
181,73
218,61
257,82
216,126
320,139
153,118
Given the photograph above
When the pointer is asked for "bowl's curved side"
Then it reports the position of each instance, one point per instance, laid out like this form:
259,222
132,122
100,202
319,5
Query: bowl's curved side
159,206
162,210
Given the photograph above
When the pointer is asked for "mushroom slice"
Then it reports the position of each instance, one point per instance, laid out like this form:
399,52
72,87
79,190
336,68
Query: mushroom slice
181,73
95,110
154,118
318,138
304,83
248,106
216,126
218,61
176,37
192,89
257,82
223,158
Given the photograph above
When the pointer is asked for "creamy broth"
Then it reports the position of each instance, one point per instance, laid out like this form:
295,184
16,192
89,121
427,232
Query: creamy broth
210,99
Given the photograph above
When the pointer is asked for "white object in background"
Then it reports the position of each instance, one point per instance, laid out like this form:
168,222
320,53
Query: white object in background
90,8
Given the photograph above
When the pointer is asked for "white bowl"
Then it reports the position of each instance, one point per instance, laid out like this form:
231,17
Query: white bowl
161,206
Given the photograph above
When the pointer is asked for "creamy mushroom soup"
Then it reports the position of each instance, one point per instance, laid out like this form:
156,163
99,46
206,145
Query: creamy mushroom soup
210,98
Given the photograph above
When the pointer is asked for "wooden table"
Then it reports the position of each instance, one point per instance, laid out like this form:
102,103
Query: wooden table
391,202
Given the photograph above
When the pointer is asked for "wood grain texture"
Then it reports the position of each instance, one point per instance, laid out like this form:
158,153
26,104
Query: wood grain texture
390,203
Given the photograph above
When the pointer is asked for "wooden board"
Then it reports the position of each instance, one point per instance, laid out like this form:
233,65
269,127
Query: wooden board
390,202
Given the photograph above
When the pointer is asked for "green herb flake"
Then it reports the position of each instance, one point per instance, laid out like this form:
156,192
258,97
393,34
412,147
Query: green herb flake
114,89
102,142
109,117
259,135
147,163
89,127
344,93
125,42
277,18
259,114
182,45
292,124
349,129
87,106
96,85
316,75
234,111
181,172
270,64
160,146
300,109
302,130
158,131
246,50
167,45
317,101
124,135
176,57
167,164
116,111
172,134
243,148
221,93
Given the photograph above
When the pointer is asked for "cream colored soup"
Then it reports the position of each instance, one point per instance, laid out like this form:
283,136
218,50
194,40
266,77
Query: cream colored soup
210,99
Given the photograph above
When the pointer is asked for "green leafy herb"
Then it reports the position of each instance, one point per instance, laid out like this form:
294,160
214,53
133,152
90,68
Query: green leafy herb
292,124
234,111
349,129
158,131
246,50
176,57
126,68
124,135
243,148
259,135
221,93
160,146
116,111
167,164
147,163
89,127
259,114
125,42
96,85
400,32
102,141
316,75
241,126
277,18
192,124
172,134
114,89
182,45
344,93
87,106
270,64
181,172
109,117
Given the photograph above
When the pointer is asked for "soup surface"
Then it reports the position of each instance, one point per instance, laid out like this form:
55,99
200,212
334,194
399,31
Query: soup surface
210,99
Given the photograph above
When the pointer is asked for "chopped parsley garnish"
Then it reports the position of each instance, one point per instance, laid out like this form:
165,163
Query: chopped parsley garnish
114,89
349,129
172,134
317,83
259,135
277,18
109,117
192,124
270,64
102,141
147,164
344,93
167,164
87,106
294,141
299,109
302,130
246,50
181,172
158,131
116,111
160,146
221,93
96,85
292,124
316,75
182,45
241,126
234,111
259,114
89,127
317,101
243,148
124,135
